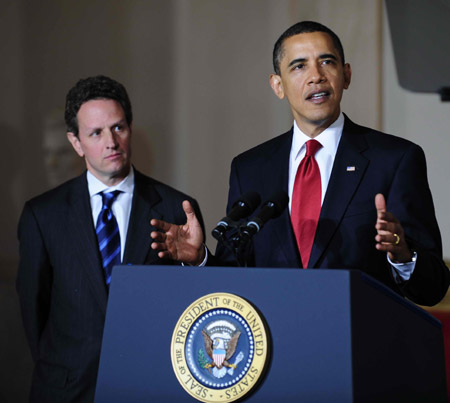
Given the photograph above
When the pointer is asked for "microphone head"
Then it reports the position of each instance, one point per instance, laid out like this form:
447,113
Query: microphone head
278,201
242,207
245,205
272,208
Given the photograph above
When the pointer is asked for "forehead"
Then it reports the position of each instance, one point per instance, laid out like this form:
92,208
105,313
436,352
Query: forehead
307,45
99,111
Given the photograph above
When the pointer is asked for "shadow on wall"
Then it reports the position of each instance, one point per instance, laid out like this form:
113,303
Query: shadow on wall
61,162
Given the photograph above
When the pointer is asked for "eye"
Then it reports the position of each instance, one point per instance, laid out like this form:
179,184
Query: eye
299,66
118,128
95,133
328,61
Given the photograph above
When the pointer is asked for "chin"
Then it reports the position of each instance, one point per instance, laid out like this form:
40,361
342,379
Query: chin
323,118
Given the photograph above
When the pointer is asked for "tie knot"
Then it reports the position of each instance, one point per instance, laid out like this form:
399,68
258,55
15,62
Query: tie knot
109,198
312,146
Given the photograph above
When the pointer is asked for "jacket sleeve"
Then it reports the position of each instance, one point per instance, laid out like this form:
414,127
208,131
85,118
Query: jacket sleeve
411,202
34,278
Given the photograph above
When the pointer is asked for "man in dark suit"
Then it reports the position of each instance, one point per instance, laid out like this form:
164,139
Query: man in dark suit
373,208
63,279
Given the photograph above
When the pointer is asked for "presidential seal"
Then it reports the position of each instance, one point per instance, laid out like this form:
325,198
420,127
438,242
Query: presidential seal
219,348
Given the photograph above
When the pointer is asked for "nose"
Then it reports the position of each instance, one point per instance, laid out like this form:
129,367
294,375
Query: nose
316,74
111,140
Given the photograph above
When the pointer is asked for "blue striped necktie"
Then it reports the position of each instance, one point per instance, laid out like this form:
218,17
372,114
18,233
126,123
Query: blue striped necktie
108,234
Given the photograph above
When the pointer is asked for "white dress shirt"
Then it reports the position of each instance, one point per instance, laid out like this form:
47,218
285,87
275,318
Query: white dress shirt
121,207
329,139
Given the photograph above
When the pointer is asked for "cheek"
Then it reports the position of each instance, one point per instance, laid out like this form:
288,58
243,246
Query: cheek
125,143
296,89
293,93
339,83
93,153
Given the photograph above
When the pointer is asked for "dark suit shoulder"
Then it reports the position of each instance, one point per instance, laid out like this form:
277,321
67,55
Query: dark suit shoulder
375,138
53,198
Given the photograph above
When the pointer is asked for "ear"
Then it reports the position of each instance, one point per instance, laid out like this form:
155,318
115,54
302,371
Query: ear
76,144
277,85
347,75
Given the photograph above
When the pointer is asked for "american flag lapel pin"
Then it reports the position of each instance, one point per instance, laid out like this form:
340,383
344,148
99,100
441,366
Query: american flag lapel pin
351,168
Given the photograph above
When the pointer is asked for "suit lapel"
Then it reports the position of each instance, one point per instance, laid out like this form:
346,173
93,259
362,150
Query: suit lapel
276,175
145,197
85,240
348,170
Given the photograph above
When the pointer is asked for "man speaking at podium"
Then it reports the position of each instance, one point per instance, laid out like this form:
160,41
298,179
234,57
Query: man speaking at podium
72,236
359,199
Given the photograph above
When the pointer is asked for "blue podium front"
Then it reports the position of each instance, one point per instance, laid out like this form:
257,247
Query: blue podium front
333,335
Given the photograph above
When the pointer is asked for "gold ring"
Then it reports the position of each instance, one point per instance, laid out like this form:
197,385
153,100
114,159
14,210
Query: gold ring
397,239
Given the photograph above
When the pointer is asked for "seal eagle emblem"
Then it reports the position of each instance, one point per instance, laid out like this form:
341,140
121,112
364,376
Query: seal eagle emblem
220,338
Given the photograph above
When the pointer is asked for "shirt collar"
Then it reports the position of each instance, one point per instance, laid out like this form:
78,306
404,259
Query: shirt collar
96,186
329,138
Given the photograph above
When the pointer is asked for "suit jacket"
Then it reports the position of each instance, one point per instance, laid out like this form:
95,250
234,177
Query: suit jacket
61,285
345,236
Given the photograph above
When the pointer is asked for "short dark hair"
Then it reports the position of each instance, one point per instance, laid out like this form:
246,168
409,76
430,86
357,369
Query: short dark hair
98,87
303,27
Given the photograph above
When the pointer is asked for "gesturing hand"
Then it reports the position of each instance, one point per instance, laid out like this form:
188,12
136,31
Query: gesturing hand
390,236
183,243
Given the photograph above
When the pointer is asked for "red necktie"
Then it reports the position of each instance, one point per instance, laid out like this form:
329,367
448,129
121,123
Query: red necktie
306,201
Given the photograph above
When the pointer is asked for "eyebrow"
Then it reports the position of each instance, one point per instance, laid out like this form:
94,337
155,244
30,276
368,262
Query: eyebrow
119,122
321,57
328,56
295,61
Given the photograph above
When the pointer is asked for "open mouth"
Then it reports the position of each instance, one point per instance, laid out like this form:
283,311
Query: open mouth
318,96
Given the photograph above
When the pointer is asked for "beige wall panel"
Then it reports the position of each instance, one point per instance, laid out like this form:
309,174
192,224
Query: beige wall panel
425,120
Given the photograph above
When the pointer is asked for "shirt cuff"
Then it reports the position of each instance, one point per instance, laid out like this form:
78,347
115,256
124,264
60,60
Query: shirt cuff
402,271
204,260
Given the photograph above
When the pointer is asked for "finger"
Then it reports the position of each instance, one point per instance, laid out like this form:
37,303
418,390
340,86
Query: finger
380,204
162,225
382,234
388,238
389,217
166,255
386,247
387,226
158,236
158,246
189,211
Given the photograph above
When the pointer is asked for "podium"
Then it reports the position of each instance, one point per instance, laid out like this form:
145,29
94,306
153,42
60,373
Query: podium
335,336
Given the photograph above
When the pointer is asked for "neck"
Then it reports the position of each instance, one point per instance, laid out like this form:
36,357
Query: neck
112,180
313,128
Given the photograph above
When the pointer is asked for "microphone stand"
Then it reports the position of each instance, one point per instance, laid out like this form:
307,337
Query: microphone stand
237,243
240,248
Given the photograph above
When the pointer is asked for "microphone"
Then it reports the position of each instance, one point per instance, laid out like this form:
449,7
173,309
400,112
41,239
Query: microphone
272,208
243,207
